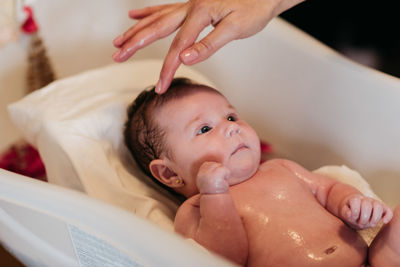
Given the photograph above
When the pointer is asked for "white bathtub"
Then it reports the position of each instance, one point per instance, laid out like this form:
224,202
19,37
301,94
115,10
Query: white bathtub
313,105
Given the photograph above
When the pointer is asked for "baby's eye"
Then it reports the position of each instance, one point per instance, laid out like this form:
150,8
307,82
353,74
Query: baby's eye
231,118
204,129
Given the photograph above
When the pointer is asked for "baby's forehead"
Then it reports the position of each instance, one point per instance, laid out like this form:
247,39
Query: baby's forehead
191,104
193,92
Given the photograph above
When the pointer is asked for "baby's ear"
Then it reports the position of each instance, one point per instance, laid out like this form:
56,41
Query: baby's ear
165,175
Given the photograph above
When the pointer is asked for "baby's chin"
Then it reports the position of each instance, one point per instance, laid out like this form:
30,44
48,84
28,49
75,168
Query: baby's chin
239,175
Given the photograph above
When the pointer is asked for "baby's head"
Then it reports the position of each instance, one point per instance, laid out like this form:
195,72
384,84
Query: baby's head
173,134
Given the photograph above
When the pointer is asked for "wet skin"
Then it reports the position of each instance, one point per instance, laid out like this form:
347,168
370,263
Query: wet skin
274,214
287,226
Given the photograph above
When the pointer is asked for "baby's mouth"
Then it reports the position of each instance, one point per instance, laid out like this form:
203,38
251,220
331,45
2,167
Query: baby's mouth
240,147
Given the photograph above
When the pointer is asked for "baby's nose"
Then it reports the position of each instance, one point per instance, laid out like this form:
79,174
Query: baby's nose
231,130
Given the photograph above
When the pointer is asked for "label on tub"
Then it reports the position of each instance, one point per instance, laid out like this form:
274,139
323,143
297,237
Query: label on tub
92,251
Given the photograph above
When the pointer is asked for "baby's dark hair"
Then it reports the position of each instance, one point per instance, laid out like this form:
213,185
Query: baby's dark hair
143,137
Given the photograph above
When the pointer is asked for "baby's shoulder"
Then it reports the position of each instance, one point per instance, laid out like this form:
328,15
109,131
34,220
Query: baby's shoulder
271,164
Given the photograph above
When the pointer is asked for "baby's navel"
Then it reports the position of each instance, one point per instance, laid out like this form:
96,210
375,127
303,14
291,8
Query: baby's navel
330,250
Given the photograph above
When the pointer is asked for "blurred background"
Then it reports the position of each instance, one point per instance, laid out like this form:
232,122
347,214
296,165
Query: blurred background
366,31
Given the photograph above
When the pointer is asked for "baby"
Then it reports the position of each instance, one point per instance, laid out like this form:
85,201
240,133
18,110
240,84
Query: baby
193,142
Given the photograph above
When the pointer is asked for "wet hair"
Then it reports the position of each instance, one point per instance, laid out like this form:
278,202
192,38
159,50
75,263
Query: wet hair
143,137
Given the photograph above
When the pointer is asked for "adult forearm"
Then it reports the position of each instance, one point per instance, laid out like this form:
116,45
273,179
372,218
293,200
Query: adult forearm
285,5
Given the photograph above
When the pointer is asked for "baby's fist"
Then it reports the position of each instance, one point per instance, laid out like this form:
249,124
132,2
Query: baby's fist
212,178
362,212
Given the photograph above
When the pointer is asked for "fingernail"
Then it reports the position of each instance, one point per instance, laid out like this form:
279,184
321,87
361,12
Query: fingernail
115,56
118,40
158,87
190,55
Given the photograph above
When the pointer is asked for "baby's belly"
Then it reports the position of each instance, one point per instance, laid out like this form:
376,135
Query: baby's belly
301,240
286,226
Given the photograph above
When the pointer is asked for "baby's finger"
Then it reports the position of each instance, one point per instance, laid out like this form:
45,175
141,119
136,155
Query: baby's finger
366,211
346,214
376,213
387,215
212,178
355,204
222,172
208,166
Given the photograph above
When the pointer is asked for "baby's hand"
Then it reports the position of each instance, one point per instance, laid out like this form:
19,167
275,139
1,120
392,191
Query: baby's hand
362,212
211,178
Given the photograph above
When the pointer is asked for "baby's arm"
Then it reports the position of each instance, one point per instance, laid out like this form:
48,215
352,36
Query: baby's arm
342,200
211,217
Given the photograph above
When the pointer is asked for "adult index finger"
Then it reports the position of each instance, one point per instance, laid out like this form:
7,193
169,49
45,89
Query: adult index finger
186,36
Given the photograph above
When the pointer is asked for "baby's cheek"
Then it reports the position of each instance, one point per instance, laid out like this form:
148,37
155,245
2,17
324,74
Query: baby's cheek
209,157
251,134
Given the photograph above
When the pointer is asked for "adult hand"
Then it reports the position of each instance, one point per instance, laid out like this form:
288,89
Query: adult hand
232,19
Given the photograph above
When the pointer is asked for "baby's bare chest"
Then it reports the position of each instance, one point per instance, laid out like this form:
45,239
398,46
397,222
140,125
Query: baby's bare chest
273,196
281,215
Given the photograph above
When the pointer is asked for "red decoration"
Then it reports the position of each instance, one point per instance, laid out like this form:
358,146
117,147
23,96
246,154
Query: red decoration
266,151
265,147
23,159
29,25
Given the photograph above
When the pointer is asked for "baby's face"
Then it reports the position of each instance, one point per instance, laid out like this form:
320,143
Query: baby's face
202,127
